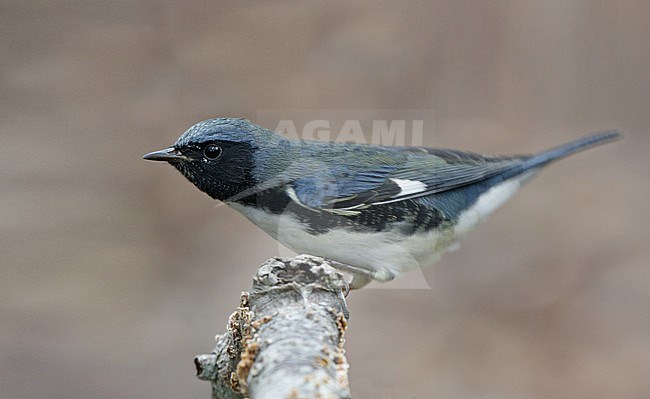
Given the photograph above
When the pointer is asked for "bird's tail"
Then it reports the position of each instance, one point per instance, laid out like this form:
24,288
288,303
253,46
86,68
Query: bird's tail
548,156
576,146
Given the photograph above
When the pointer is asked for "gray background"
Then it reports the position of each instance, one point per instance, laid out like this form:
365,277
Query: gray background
115,271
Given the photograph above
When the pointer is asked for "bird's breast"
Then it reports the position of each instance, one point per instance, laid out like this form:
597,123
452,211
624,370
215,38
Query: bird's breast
389,249
395,239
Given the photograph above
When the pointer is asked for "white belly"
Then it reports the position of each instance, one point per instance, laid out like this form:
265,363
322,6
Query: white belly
372,251
379,251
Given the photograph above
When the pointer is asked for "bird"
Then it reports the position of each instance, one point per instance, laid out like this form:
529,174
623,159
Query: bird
375,212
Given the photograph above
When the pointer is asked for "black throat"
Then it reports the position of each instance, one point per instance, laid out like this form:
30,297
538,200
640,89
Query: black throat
224,178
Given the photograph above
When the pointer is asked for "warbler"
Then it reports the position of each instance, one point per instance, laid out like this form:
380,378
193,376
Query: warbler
375,211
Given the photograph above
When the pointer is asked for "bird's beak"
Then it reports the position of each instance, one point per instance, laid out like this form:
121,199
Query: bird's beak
170,154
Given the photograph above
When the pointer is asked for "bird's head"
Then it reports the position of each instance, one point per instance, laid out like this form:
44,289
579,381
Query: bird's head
220,156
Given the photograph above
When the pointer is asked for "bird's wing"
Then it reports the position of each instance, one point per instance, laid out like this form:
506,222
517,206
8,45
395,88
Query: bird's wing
423,172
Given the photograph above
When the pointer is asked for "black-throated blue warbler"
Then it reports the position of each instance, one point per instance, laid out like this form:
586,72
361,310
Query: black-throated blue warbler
375,211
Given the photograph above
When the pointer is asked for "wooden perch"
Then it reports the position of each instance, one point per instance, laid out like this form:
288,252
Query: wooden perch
286,338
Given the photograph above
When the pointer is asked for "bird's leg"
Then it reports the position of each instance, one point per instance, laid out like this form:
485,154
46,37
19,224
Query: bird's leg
360,277
359,281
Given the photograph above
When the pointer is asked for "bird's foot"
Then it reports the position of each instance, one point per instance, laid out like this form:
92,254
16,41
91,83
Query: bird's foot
360,276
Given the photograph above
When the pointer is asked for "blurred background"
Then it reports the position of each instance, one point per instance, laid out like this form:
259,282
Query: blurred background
115,272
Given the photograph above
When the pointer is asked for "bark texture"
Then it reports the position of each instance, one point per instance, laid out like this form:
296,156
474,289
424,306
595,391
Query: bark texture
286,338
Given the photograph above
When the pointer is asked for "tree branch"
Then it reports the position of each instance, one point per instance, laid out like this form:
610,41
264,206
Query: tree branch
286,338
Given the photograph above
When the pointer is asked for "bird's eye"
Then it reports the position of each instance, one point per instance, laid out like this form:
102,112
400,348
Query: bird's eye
212,151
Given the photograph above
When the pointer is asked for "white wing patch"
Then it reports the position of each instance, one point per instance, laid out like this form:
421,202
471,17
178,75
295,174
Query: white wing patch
338,211
292,194
409,187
